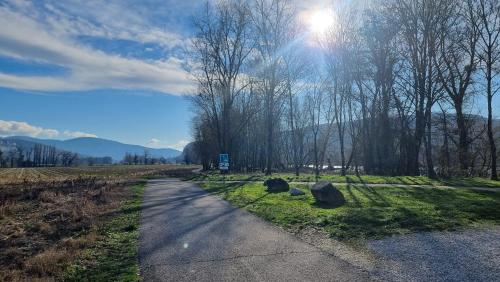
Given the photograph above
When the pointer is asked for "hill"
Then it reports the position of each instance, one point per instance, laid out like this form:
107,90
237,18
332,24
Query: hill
95,147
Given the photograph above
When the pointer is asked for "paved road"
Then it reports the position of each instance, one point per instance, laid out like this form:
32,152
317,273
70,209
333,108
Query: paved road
188,235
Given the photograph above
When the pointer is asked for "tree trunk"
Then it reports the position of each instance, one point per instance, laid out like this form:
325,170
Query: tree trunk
462,138
292,129
428,145
491,139
269,121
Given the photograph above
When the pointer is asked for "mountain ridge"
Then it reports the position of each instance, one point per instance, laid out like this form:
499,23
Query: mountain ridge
98,147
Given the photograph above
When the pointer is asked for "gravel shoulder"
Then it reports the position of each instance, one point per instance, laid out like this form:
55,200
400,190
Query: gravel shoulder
468,255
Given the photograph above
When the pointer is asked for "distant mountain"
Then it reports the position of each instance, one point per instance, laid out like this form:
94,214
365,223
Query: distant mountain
96,147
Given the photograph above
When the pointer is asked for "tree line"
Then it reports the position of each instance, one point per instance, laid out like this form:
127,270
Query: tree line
40,155
391,87
144,159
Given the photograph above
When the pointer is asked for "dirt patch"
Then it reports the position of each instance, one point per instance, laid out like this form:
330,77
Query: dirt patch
45,226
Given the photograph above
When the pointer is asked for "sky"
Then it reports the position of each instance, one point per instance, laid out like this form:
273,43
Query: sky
112,69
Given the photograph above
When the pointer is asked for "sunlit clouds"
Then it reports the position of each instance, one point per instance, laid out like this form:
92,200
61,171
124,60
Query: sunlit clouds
46,34
16,128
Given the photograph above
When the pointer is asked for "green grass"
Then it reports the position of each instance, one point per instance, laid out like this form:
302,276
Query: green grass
369,212
368,179
115,258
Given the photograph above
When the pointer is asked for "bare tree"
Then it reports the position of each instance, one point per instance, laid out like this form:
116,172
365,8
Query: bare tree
380,35
489,44
315,100
272,21
369,97
220,49
419,21
339,45
296,68
456,64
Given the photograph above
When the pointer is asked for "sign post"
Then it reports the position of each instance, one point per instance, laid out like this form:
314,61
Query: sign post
223,165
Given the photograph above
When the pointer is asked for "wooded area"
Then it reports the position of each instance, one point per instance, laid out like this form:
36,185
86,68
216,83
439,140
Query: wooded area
40,155
391,88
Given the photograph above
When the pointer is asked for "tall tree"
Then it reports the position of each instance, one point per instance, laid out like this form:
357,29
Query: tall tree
419,21
456,64
272,21
221,47
489,43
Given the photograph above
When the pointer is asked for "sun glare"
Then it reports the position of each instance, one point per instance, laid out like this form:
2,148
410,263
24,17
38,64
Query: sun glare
320,21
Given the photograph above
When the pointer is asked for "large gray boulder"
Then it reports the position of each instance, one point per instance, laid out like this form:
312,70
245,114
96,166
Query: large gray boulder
275,185
325,193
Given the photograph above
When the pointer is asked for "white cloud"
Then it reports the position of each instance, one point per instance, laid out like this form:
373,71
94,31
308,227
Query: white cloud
13,128
154,142
179,145
25,36
10,128
115,20
78,134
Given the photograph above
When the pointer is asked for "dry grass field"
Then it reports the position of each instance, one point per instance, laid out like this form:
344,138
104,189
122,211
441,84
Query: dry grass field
53,219
9,176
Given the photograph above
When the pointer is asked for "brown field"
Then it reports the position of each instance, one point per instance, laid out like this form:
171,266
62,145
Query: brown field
9,176
50,216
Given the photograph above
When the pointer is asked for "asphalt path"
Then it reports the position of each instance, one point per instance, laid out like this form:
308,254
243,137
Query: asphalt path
187,234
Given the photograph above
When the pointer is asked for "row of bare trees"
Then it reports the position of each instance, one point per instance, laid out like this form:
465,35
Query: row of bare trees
392,89
38,156
144,159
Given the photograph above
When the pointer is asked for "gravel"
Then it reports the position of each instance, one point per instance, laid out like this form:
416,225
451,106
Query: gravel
471,255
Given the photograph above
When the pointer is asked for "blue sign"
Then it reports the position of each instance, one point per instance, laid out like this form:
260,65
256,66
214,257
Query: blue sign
224,162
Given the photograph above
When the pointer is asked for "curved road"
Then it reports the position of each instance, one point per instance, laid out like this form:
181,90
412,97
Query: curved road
187,234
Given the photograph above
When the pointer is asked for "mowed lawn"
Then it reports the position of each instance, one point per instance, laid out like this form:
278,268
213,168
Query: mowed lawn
366,179
369,212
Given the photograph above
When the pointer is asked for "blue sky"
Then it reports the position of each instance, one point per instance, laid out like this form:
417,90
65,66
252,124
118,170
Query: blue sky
115,69
112,69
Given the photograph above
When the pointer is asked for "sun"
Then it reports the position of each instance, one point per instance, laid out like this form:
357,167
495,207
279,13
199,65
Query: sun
320,21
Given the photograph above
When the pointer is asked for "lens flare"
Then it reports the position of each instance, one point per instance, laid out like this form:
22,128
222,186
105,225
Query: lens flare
321,21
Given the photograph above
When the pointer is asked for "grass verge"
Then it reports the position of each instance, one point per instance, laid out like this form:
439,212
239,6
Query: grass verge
370,212
114,258
366,179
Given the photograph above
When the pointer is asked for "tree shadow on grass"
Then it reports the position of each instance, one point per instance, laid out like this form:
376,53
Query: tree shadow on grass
253,177
223,189
475,205
357,202
371,193
374,222
254,201
406,180
326,206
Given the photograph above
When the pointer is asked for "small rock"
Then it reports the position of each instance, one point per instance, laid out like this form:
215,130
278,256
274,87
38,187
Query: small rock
276,185
296,192
324,192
